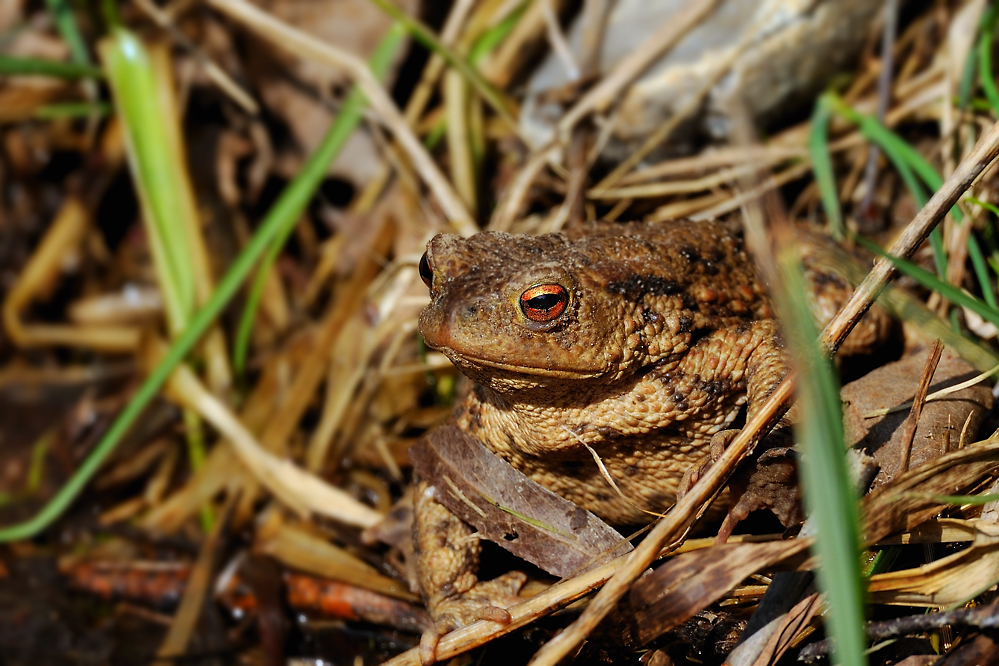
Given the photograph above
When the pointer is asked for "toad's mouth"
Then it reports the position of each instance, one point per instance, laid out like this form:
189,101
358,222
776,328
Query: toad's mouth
474,365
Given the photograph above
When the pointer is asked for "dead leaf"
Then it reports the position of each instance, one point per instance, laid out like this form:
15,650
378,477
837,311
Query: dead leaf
508,507
949,581
680,588
908,500
940,424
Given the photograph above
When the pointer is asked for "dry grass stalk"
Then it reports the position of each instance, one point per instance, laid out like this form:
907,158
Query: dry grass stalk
218,75
302,492
186,618
288,38
918,400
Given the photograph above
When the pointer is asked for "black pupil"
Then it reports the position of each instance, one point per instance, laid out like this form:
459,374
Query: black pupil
425,272
544,301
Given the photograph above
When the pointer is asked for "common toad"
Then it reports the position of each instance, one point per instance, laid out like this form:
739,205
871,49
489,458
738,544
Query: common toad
642,342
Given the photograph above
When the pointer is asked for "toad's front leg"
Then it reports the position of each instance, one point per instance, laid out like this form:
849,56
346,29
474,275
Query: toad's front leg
447,561
754,356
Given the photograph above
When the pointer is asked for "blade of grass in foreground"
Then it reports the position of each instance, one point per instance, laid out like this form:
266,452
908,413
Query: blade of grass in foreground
930,281
907,161
818,146
829,495
296,197
158,179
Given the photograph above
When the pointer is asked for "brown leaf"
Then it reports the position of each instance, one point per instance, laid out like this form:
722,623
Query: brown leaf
680,588
940,424
949,581
908,500
507,507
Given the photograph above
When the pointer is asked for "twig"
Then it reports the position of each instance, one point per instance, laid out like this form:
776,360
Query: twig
500,67
515,194
302,492
449,35
918,400
594,24
608,90
985,617
218,75
597,99
305,45
184,622
884,98
769,184
559,44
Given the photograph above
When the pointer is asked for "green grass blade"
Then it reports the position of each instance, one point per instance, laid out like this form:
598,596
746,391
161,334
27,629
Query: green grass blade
183,344
228,286
990,236
818,146
200,323
988,28
930,281
297,195
829,496
158,180
981,271
72,110
491,38
14,66
424,36
62,13
907,161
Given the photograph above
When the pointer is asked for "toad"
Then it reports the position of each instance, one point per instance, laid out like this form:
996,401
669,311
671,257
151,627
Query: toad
639,343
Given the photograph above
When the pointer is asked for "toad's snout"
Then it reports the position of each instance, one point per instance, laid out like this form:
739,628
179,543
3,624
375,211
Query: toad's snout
448,324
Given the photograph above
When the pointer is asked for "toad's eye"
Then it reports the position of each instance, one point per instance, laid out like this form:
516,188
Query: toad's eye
425,272
544,302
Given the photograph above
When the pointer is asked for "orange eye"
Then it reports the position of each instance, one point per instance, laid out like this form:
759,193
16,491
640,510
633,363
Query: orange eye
425,273
544,302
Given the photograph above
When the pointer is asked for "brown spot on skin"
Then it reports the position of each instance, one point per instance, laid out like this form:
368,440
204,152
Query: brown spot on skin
690,254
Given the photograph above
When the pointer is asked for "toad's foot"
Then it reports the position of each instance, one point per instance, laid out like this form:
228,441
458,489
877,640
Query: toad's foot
485,601
719,442
767,481
447,554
